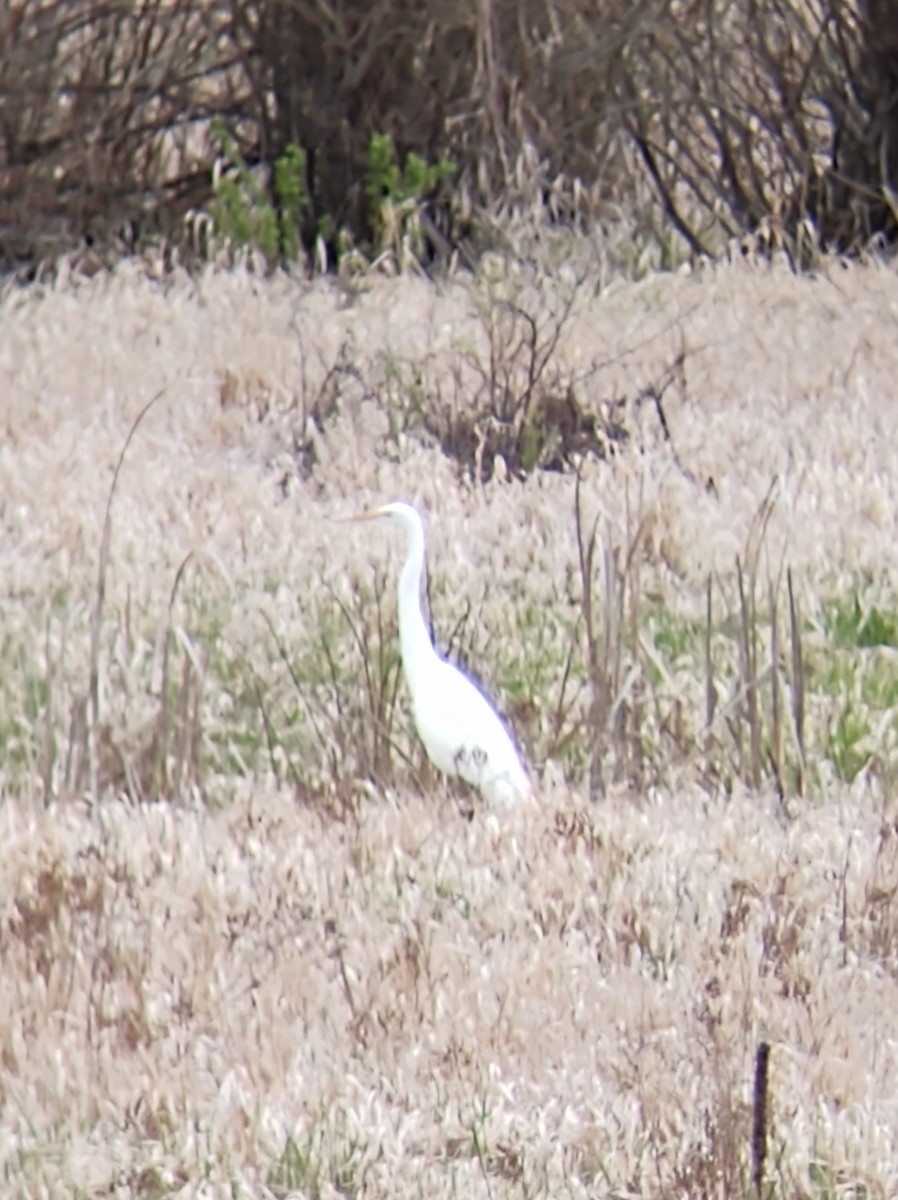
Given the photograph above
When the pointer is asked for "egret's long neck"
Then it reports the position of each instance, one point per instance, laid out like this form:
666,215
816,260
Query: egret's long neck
417,648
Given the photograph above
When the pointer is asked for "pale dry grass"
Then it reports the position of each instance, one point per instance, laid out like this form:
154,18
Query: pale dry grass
238,989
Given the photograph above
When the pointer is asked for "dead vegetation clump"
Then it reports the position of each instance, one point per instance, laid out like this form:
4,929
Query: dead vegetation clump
520,411
407,1001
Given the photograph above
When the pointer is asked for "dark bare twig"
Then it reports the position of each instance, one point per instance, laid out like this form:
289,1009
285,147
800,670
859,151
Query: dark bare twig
760,1098
797,682
96,620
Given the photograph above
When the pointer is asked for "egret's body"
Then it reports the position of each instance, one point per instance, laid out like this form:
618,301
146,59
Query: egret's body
461,731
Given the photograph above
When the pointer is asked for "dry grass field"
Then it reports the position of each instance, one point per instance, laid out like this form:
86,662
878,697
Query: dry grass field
251,945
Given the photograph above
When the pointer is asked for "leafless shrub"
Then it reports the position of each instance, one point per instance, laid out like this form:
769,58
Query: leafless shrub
516,403
768,117
104,111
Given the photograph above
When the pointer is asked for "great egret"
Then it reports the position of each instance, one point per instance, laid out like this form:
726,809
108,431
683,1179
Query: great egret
461,731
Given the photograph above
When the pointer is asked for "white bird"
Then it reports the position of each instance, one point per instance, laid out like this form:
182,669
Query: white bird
460,729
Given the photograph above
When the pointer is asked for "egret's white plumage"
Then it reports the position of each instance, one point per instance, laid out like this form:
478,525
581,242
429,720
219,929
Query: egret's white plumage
461,731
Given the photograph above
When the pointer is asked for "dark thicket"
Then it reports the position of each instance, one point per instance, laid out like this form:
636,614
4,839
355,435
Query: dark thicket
744,116
768,114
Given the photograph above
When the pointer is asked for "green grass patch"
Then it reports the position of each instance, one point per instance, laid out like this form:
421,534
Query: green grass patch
210,693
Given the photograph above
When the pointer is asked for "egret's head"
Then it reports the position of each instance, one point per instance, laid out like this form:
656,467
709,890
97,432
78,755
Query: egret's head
409,522
397,512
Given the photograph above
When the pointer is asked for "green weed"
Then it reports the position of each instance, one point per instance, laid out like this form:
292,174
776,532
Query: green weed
397,195
323,1161
274,216
851,624
248,215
